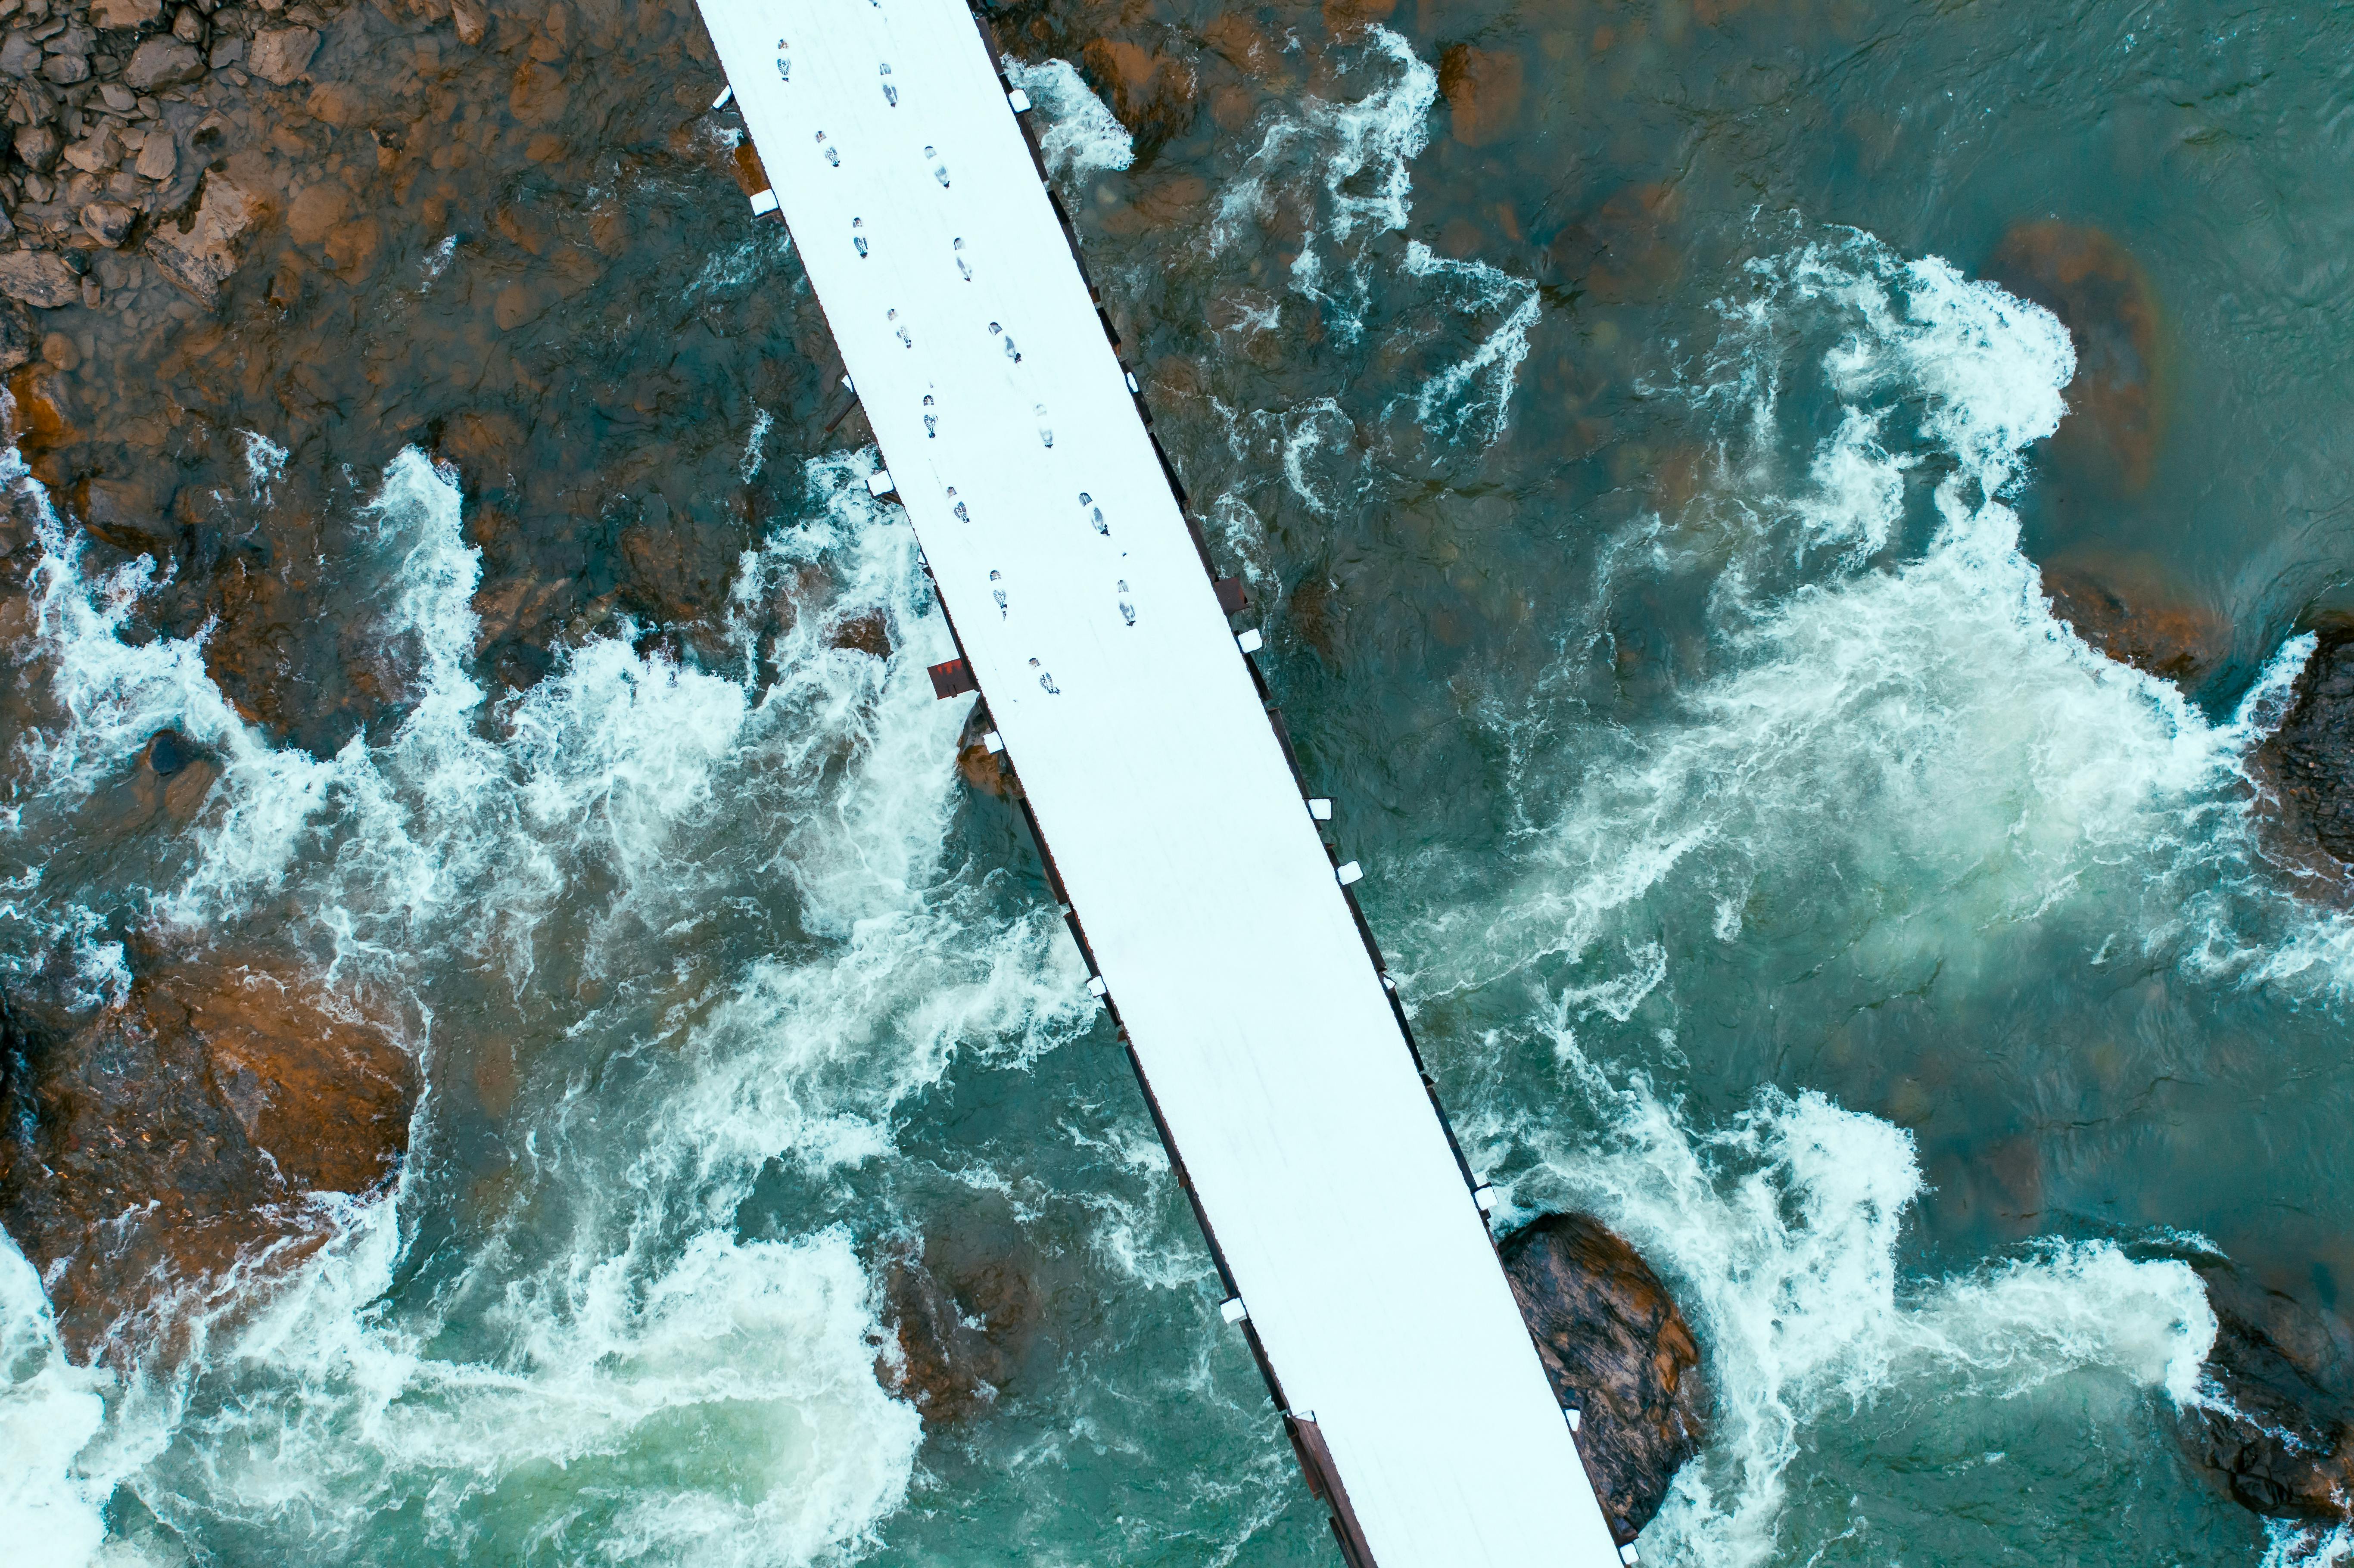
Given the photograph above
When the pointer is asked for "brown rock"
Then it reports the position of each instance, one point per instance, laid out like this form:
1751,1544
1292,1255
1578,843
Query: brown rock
538,93
201,255
2117,408
109,222
39,146
1618,1350
109,15
17,342
20,56
2127,613
162,62
65,69
2277,1428
352,247
159,158
39,278
1483,91
1244,45
96,154
188,27
1343,18
867,633
335,103
281,54
1154,95
966,1311
316,210
472,19
150,1143
980,768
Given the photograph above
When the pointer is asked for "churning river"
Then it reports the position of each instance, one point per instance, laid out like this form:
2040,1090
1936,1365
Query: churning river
1643,487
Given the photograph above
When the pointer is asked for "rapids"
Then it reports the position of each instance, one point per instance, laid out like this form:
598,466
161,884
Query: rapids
1645,505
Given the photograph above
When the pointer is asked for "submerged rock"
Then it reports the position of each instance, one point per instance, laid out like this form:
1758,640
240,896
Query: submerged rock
145,1147
1483,92
1625,251
2276,1427
2129,615
2115,410
964,1318
1618,1351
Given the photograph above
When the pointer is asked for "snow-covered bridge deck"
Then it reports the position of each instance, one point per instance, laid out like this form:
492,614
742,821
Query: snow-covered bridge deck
1259,1022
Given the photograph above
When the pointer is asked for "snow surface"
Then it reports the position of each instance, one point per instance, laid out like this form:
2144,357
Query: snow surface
1181,836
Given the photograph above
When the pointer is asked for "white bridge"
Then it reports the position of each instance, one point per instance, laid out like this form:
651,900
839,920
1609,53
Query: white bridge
1351,1238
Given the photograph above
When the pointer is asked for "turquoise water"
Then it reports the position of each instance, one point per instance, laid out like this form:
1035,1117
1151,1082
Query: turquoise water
1642,506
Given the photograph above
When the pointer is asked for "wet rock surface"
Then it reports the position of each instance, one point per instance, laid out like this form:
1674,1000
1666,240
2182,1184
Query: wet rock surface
2127,613
146,1146
2306,766
967,1315
1618,1350
2276,1427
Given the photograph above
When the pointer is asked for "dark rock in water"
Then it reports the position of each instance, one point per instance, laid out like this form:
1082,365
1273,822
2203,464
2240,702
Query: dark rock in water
2117,410
145,1147
2276,1430
867,633
2131,617
167,753
1618,1351
966,1317
2307,764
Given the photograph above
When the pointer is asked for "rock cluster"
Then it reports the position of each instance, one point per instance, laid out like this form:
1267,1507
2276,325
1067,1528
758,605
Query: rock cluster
116,130
1618,1351
145,1149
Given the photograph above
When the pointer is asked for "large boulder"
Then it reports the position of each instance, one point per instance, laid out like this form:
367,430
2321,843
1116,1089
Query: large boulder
1618,1351
281,54
967,1311
201,250
148,1146
2308,765
2275,1429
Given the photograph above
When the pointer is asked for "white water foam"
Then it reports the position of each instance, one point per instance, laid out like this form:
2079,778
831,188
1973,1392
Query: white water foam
49,1409
1781,1233
1474,397
610,1367
1922,728
1082,136
1347,165
1907,757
